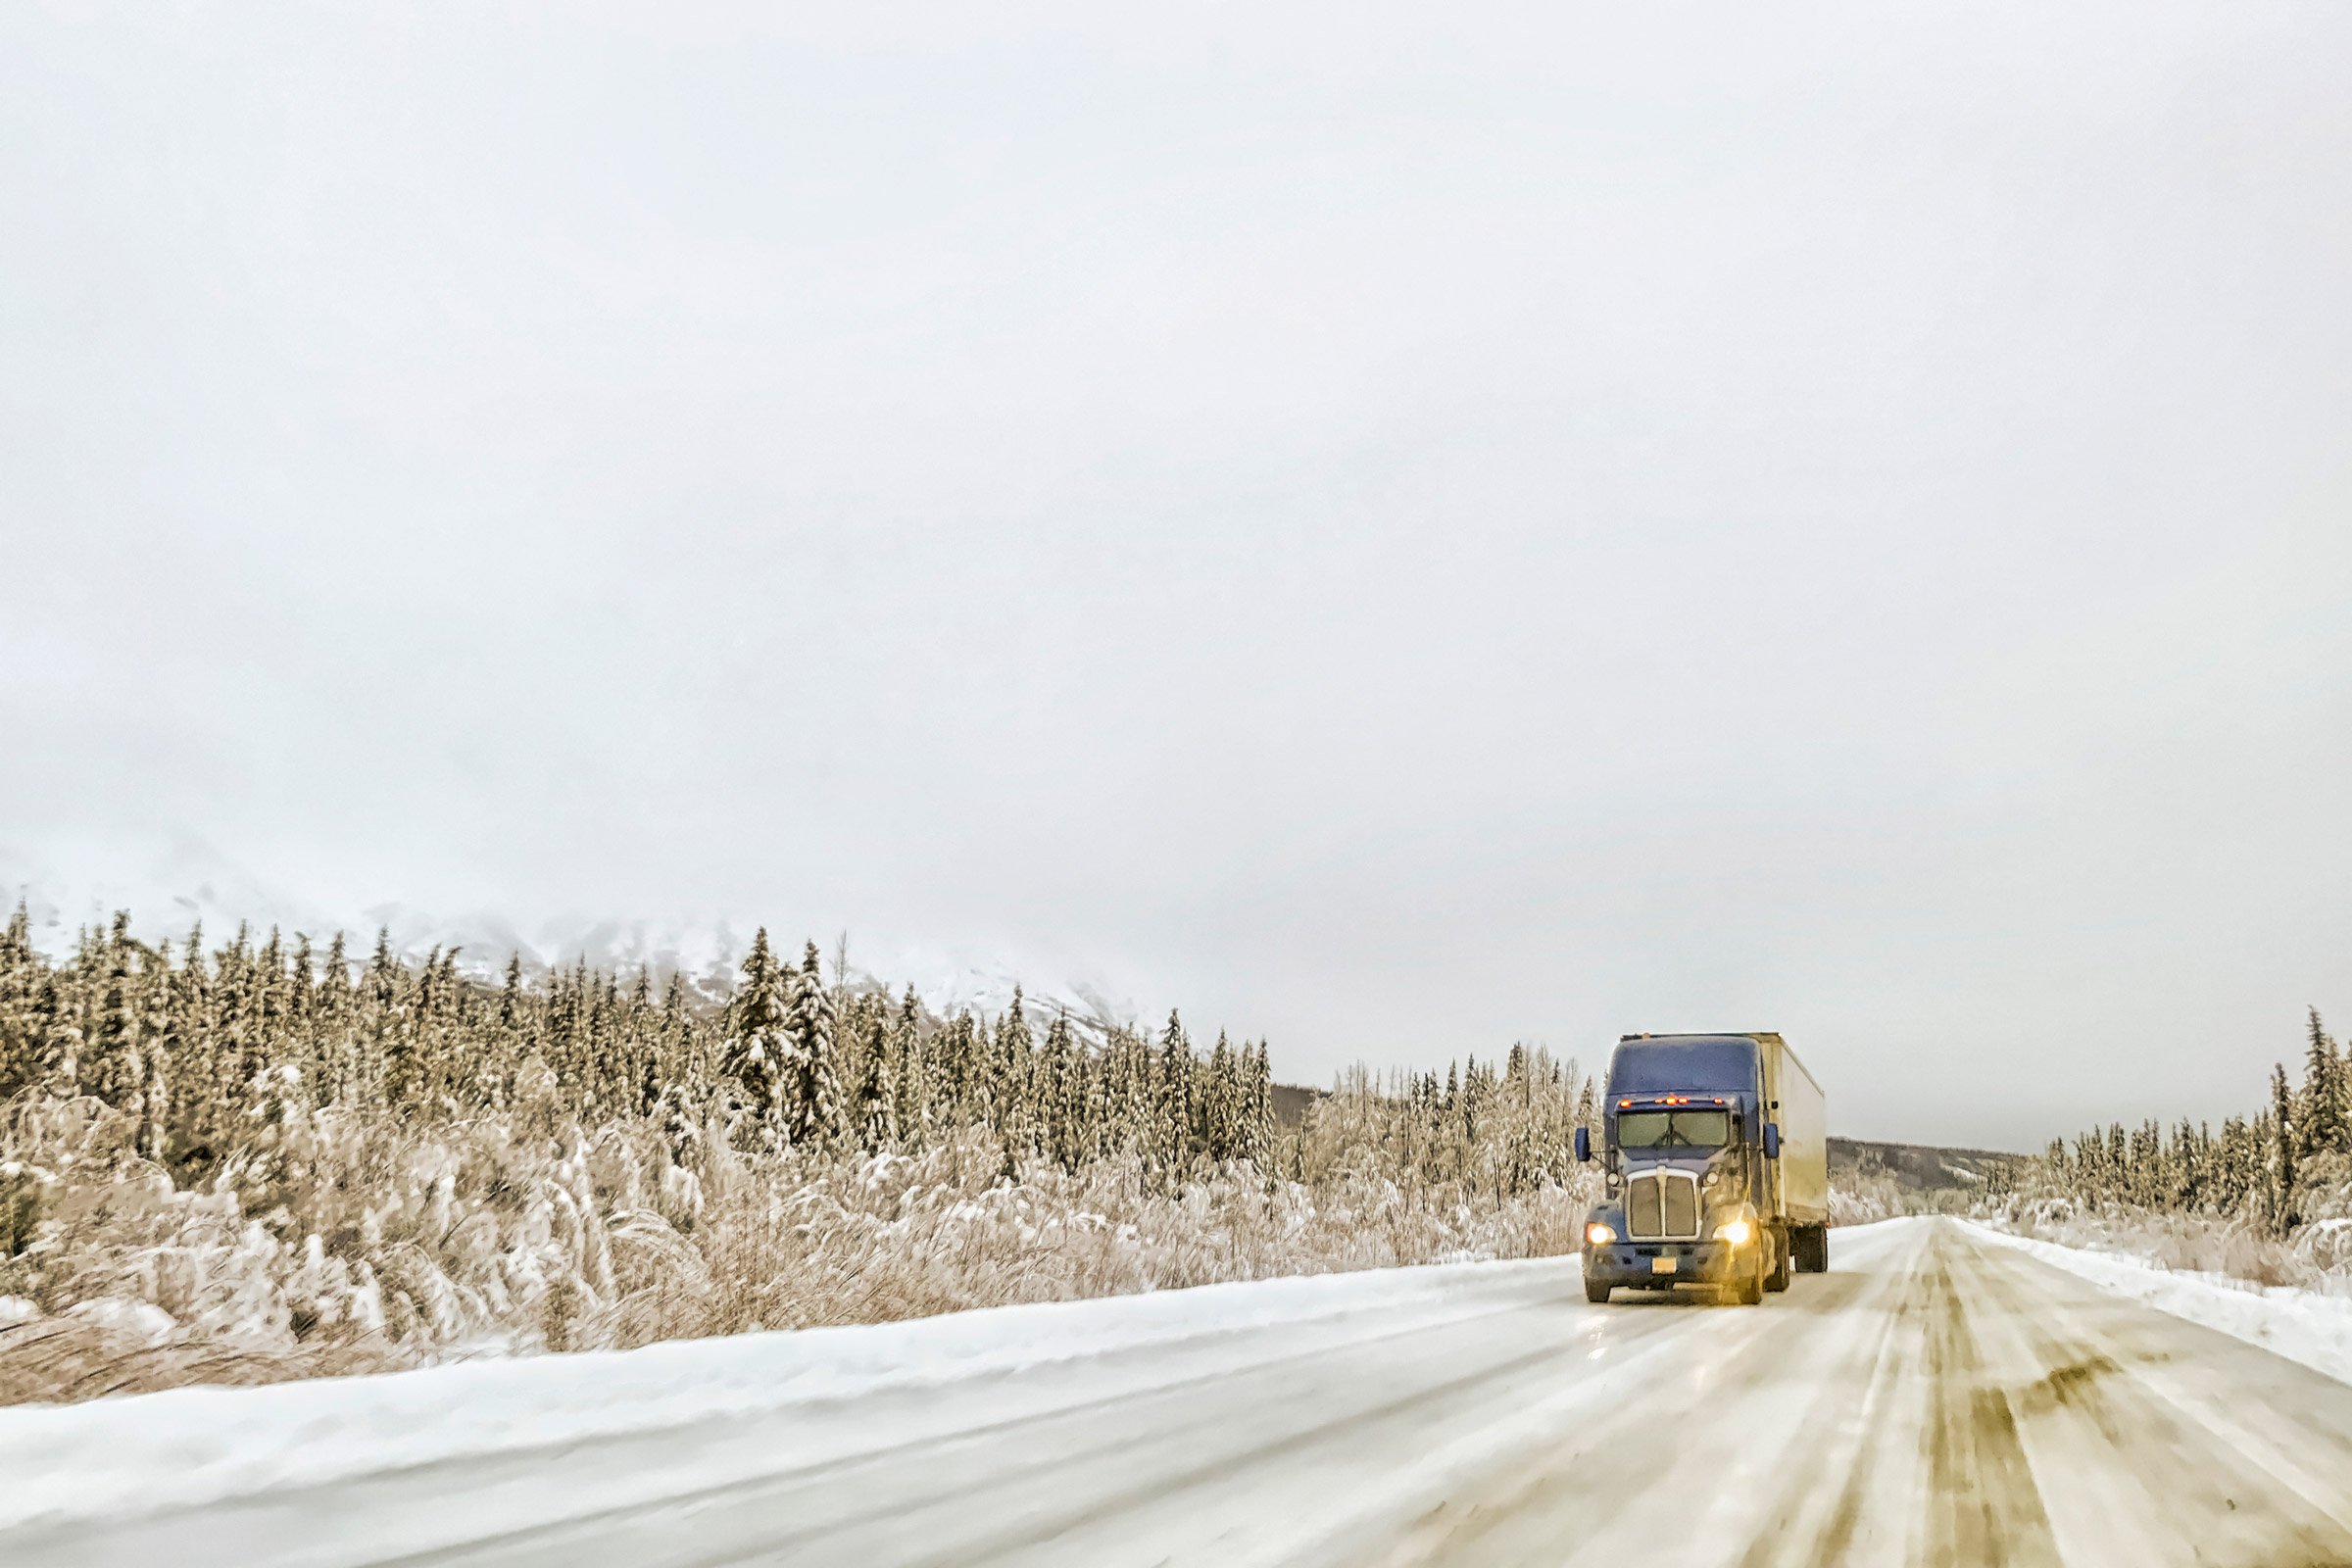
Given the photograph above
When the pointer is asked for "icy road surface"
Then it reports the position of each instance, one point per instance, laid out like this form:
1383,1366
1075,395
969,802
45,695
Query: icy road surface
1938,1398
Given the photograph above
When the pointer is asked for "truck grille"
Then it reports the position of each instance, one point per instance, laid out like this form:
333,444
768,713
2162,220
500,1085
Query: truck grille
1663,1207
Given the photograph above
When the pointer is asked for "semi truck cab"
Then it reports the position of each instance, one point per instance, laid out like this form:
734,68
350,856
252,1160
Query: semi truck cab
1716,1169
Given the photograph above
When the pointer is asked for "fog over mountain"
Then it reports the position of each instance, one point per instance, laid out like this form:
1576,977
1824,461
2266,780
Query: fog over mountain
1393,533
186,886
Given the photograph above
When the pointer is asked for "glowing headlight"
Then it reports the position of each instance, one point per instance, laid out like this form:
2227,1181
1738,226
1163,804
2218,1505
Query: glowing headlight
1599,1235
1734,1231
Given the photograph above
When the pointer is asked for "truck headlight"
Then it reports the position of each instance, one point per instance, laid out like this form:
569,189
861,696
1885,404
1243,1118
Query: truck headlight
1734,1231
1599,1235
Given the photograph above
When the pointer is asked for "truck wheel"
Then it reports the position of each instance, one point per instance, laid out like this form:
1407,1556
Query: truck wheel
1595,1292
1750,1290
1812,1248
1777,1278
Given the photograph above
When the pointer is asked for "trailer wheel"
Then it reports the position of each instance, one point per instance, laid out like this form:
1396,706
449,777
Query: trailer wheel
1812,1250
1596,1293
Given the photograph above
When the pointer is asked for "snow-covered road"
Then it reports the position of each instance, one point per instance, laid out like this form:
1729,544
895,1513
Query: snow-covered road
1936,1398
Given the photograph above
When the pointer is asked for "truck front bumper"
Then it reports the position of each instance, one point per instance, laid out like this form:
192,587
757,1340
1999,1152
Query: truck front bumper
1658,1264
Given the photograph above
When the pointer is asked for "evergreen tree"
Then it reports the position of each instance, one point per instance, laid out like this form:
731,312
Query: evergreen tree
1011,1067
754,1063
2325,1115
958,1081
19,994
1218,1116
302,1048
1258,1129
1172,1098
875,1113
151,1111
60,1022
2282,1153
338,1043
910,1075
115,1066
1060,1096
811,1084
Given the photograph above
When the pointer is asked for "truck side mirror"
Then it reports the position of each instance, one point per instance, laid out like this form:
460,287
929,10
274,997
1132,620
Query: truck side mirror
1584,1144
1772,1140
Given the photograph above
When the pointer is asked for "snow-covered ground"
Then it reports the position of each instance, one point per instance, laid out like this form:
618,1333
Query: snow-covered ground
1941,1397
2305,1326
201,1444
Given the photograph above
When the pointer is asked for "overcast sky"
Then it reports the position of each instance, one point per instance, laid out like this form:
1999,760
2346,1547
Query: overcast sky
1398,529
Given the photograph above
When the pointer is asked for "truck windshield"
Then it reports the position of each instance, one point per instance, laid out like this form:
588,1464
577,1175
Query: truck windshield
1673,1129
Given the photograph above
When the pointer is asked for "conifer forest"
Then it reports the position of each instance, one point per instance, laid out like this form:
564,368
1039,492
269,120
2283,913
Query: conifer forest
2268,1197
266,1157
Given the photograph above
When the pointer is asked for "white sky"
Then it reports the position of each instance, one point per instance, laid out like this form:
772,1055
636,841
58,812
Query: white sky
1398,529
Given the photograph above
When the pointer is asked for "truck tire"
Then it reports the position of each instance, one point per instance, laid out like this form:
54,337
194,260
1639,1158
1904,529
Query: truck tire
1749,1290
1812,1248
1596,1293
1776,1277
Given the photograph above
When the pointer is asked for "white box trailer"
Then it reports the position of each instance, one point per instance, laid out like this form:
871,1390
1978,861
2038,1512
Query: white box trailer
1794,1102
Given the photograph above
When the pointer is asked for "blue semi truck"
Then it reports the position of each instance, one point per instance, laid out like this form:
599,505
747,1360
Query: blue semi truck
1715,1152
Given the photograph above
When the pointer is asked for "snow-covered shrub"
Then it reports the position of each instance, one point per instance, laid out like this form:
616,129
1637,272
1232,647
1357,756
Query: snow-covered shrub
353,1241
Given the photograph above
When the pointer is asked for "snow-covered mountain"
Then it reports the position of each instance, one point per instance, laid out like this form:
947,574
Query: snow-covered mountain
170,887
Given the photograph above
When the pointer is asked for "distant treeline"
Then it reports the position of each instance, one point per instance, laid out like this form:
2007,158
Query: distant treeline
201,1051
2278,1167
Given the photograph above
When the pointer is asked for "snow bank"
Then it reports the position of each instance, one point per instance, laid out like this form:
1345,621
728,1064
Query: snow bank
199,1444
2303,1326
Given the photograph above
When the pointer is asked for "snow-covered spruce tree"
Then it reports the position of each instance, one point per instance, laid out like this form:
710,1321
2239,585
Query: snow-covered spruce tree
152,1111
303,1053
811,1102
124,1065
382,1013
1258,1116
874,1108
1172,1099
753,1064
1216,1111
957,1087
1126,1091
911,1071
506,1042
2325,1107
1099,1126
20,997
1059,1097
1011,1090
685,1067
271,1009
57,1013
2282,1153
